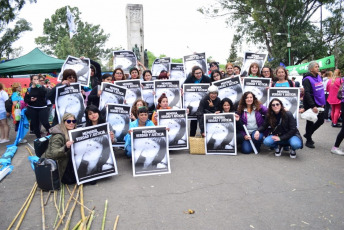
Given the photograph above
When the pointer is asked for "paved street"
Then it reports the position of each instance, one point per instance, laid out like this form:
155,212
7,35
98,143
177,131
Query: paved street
227,192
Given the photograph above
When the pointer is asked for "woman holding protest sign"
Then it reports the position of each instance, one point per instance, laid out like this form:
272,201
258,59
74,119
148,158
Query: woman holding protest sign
162,104
253,70
215,75
118,75
251,112
37,110
59,148
283,129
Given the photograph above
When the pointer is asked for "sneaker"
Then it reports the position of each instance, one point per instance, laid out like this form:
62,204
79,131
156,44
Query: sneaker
337,151
278,151
310,144
336,125
308,139
23,141
292,154
4,141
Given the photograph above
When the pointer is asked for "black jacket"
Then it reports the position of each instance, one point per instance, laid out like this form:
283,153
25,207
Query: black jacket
191,79
39,93
205,108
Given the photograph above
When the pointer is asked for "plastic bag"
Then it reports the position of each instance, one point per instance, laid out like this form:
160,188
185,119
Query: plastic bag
309,115
17,112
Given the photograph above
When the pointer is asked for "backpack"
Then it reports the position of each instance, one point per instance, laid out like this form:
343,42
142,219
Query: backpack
9,105
47,174
41,145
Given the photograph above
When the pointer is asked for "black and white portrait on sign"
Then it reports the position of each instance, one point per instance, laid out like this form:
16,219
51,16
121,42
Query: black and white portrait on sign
111,94
220,134
193,94
230,88
118,117
81,68
289,97
176,121
251,57
259,87
148,93
70,100
133,90
92,153
124,60
177,72
150,153
172,91
197,59
160,64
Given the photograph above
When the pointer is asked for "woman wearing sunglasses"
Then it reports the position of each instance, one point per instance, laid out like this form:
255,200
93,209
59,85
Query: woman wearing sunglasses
283,130
59,148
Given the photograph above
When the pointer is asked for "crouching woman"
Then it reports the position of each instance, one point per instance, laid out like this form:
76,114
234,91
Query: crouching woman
59,148
283,129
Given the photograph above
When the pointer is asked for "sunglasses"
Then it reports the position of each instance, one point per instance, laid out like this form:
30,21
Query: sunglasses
70,77
70,121
275,105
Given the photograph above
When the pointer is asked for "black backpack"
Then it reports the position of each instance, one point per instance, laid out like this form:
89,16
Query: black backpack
8,105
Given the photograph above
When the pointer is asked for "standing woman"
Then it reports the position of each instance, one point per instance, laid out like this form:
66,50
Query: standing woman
16,98
37,109
268,73
229,71
332,89
4,128
253,70
282,78
283,129
196,76
59,148
313,99
118,75
251,112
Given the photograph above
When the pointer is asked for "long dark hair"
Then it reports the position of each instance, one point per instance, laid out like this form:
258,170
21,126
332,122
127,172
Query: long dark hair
231,106
93,109
242,103
271,116
160,100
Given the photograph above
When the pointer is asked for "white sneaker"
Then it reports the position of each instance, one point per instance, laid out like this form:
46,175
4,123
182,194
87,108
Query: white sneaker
23,141
337,151
278,151
4,141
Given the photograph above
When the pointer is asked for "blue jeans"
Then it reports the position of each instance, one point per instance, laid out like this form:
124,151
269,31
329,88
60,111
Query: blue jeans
246,145
294,142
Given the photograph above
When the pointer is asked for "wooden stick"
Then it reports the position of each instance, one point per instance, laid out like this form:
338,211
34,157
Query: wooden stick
29,151
45,203
90,221
64,213
71,211
116,222
42,206
79,202
82,210
77,225
63,195
59,208
28,197
26,208
84,223
104,217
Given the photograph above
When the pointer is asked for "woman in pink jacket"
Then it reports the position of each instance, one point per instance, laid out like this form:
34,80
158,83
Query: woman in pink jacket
332,88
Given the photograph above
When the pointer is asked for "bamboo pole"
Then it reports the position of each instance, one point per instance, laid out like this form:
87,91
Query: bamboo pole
83,224
42,206
64,213
77,225
63,195
45,203
90,221
26,208
59,208
29,151
71,211
82,210
116,222
79,202
28,197
104,217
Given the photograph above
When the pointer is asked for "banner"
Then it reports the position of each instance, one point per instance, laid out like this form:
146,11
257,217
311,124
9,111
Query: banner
249,58
118,117
150,153
124,60
176,121
230,88
133,90
70,100
220,134
159,65
177,72
172,91
193,94
289,97
111,94
81,68
196,59
148,93
324,63
259,87
92,153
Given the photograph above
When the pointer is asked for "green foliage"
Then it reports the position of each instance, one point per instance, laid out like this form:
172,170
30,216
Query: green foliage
258,21
151,59
89,40
177,60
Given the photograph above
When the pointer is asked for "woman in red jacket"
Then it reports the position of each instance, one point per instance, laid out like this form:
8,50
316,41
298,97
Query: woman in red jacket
332,88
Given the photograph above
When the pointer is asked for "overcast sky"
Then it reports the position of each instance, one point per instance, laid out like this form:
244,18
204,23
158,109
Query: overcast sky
174,28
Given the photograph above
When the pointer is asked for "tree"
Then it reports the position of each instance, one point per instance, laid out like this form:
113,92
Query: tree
233,51
12,35
89,40
259,21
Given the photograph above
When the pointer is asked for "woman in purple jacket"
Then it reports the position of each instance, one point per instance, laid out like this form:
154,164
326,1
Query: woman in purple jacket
252,113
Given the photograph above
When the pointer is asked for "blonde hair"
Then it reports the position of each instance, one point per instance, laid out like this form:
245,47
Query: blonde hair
335,75
15,86
63,127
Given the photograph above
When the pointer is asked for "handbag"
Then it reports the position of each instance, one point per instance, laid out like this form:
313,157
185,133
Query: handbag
47,174
17,112
197,145
40,145
340,91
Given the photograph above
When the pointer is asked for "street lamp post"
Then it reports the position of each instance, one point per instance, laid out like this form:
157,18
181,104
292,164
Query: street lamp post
289,43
